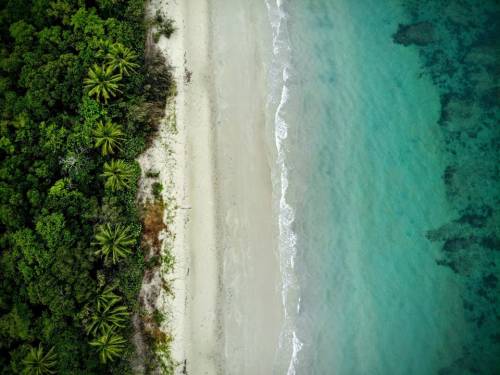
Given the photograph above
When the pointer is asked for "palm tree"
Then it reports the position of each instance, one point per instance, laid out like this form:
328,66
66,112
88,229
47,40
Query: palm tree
102,82
104,48
107,317
118,174
39,363
115,241
109,345
122,58
106,297
108,136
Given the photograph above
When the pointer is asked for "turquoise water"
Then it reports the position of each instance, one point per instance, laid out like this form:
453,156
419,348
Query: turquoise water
388,182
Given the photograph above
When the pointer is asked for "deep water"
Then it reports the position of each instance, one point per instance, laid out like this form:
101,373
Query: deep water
391,159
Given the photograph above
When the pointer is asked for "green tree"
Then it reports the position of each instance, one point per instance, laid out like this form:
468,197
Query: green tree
122,58
118,174
114,241
23,33
39,363
109,345
108,136
104,48
106,297
106,317
16,324
102,82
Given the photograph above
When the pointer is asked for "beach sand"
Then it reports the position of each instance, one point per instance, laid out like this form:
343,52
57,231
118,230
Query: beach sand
226,314
247,225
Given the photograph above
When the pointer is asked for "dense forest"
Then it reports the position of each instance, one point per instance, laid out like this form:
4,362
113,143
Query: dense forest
77,105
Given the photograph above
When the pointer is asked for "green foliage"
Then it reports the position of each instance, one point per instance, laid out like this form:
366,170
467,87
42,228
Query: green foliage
108,137
102,82
91,111
52,138
37,362
22,33
114,241
168,262
118,175
152,174
122,58
109,346
67,67
52,229
165,26
16,324
107,297
157,188
105,317
158,317
88,23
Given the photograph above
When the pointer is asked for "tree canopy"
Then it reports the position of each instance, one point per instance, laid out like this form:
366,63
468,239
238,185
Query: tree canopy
72,78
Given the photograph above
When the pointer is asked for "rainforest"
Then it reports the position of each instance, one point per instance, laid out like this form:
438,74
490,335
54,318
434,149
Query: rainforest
78,104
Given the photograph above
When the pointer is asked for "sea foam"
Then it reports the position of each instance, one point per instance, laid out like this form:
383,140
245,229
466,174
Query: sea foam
290,344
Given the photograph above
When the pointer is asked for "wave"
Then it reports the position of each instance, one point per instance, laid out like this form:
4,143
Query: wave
290,344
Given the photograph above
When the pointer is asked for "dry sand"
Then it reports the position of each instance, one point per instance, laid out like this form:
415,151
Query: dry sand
226,314
247,227
193,311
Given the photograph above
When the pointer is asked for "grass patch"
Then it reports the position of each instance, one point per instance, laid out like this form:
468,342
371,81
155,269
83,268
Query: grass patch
156,190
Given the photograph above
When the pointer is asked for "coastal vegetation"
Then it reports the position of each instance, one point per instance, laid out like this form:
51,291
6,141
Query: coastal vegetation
79,99
164,26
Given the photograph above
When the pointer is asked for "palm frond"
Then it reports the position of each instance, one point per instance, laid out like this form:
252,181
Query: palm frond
108,137
114,241
109,345
37,362
102,82
118,174
122,58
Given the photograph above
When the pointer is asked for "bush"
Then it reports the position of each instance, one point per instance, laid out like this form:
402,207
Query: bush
157,188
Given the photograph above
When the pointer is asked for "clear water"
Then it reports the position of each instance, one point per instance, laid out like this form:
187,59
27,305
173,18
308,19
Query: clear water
387,185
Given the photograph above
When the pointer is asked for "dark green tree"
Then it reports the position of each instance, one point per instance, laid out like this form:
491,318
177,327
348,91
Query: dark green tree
102,82
105,317
107,297
37,362
114,241
108,137
122,58
109,346
118,175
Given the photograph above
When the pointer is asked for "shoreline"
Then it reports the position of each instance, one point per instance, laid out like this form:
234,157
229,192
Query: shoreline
247,224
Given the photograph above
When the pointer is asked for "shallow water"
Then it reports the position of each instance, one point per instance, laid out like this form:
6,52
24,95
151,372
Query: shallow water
387,185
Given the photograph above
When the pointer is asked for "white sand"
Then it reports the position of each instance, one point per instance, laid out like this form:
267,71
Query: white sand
167,155
226,314
200,338
247,226
193,311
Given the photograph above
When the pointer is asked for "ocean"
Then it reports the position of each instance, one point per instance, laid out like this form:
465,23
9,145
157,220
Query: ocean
386,185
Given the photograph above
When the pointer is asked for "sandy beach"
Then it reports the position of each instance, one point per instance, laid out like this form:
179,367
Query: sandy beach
193,321
193,318
200,341
226,314
247,227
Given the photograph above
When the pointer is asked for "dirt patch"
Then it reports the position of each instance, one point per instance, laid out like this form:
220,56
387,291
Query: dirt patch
153,225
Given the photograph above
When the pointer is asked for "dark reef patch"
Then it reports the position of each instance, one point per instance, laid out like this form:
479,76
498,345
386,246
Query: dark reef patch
458,42
420,34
